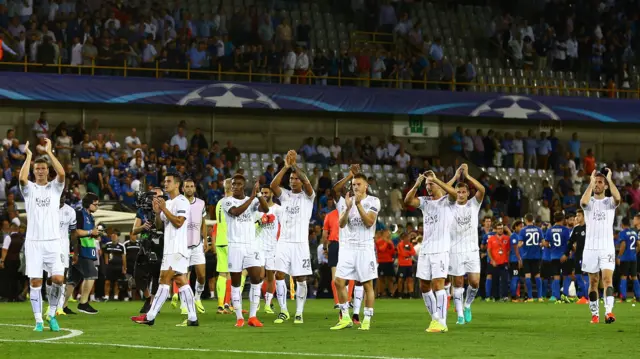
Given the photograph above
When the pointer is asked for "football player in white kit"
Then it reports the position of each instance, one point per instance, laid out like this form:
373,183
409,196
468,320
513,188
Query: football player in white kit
67,226
245,252
464,255
357,255
292,251
197,244
174,216
433,260
599,249
267,233
42,241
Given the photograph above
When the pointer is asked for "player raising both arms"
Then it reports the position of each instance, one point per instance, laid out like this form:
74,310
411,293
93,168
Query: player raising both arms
464,252
267,234
42,241
292,251
245,252
433,260
599,249
174,215
357,253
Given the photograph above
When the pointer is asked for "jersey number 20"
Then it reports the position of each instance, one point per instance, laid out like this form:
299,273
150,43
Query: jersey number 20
533,239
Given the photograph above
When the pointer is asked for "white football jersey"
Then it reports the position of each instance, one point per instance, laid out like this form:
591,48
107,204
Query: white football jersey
599,215
197,214
42,204
296,213
437,225
241,229
355,234
67,224
464,226
175,239
267,233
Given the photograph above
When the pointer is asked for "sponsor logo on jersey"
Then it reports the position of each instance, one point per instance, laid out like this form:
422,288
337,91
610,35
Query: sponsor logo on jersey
43,202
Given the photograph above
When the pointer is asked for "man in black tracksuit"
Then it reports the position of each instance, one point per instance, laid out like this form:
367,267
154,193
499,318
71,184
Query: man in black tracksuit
577,240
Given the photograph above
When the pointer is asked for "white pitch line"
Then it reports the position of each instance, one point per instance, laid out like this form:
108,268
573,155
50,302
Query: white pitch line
228,351
72,333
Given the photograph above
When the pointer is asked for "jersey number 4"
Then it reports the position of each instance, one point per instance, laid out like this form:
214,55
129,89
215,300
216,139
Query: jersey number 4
533,239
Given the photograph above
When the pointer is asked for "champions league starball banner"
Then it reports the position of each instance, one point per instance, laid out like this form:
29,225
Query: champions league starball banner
151,91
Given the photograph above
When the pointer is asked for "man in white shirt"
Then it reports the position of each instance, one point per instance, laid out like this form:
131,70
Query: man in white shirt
464,255
292,251
433,261
393,146
8,141
402,158
132,142
357,254
289,66
267,233
42,241
180,139
25,10
245,251
599,249
174,216
112,144
68,220
76,52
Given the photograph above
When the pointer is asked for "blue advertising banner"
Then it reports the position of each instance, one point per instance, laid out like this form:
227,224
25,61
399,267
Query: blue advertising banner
116,90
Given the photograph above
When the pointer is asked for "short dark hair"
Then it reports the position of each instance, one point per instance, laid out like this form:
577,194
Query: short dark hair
188,179
361,176
528,217
265,186
88,199
176,177
498,224
625,221
462,184
580,210
41,160
238,176
517,223
558,216
9,130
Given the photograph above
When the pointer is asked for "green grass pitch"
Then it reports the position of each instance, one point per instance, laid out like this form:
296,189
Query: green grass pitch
502,330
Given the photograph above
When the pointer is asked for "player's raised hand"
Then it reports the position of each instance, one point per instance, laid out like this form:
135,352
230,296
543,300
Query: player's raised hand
593,177
359,198
465,169
348,200
355,169
430,175
47,145
156,205
27,151
609,173
256,188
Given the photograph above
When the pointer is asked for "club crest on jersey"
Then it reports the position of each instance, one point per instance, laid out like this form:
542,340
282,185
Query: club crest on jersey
43,202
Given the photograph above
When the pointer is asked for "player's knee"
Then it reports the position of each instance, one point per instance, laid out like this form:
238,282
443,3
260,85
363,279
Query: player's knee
593,296
609,291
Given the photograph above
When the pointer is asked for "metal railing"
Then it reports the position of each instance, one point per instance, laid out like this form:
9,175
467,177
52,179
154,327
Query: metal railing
254,74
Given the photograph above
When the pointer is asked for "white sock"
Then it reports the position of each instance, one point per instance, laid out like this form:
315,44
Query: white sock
344,309
301,297
54,298
236,301
62,297
471,295
608,304
115,297
268,297
447,288
595,308
158,300
458,294
254,299
430,302
48,291
368,313
186,296
199,290
441,302
92,297
358,296
281,292
36,303
212,294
